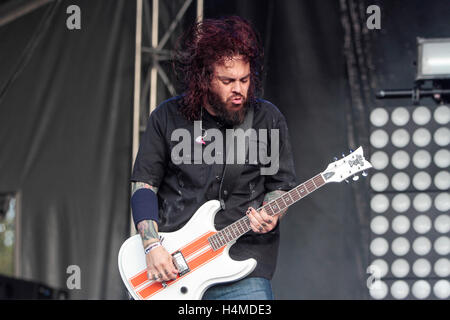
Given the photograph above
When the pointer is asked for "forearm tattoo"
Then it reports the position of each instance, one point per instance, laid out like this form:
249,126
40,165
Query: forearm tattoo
273,195
146,228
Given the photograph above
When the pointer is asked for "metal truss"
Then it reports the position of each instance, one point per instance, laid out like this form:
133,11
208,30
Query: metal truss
146,83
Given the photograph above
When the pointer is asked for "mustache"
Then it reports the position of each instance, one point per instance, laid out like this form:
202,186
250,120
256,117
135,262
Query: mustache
236,96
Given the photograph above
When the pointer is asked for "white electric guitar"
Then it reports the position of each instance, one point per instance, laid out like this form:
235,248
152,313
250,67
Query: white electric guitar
200,252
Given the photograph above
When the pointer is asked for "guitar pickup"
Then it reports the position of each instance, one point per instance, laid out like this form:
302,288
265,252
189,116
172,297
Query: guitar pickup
180,263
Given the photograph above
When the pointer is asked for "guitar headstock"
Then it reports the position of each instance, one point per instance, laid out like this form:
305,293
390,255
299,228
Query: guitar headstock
346,167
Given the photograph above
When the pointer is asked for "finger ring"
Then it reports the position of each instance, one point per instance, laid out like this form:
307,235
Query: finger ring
264,225
260,229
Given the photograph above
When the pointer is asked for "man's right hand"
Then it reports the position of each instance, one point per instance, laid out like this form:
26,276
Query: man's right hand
160,265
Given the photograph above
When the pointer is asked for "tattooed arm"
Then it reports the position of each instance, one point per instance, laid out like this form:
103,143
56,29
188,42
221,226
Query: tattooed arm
273,195
148,229
160,266
262,222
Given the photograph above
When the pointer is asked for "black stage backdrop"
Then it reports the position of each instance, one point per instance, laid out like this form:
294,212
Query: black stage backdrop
65,137
65,124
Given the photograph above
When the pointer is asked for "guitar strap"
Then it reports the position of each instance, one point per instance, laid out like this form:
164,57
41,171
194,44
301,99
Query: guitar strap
233,169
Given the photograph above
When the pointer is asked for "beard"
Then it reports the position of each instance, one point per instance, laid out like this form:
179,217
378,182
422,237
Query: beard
226,116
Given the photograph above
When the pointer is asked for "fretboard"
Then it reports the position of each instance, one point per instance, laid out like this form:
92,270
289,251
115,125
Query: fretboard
233,231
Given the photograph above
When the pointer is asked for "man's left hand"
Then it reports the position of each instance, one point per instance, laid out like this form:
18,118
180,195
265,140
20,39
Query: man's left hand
261,222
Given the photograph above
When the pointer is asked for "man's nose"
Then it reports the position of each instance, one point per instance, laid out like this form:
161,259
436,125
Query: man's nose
237,87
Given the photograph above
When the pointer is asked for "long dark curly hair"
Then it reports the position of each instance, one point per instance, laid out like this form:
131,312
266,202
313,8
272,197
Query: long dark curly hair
206,43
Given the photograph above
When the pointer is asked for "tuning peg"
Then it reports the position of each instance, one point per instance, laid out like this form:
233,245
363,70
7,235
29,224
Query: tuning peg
351,150
364,174
355,177
335,159
346,181
343,155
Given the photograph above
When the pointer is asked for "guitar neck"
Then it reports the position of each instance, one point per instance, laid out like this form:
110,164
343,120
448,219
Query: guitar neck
235,230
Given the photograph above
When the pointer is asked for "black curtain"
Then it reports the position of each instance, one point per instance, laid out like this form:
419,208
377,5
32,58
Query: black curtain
65,136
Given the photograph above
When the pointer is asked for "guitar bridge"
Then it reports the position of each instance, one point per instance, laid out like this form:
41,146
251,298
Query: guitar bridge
180,263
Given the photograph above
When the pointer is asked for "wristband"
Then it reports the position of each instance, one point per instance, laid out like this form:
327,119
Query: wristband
144,206
152,246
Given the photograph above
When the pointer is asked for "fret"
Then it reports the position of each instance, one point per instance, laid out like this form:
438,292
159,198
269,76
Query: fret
302,190
221,239
230,233
318,180
216,241
310,186
227,234
274,206
233,231
296,193
240,228
287,199
281,204
268,209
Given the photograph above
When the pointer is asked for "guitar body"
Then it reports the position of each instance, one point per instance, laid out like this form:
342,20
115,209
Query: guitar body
207,267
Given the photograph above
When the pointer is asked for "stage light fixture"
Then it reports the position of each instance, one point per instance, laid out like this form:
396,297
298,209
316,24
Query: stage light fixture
379,203
410,202
421,289
400,224
421,115
378,290
442,289
442,136
400,289
382,267
421,137
379,225
421,159
401,202
379,160
434,58
442,223
442,267
422,224
400,268
400,116
400,159
421,268
442,114
442,202
442,158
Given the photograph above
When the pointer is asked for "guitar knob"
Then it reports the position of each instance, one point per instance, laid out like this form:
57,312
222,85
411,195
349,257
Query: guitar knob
364,174
355,178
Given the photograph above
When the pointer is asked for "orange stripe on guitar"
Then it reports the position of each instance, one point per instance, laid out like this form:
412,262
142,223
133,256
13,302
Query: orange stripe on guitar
194,264
187,250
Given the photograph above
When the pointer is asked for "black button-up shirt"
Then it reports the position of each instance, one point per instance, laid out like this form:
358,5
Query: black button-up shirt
184,187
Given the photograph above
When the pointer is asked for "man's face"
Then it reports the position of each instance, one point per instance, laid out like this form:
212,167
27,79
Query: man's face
229,87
